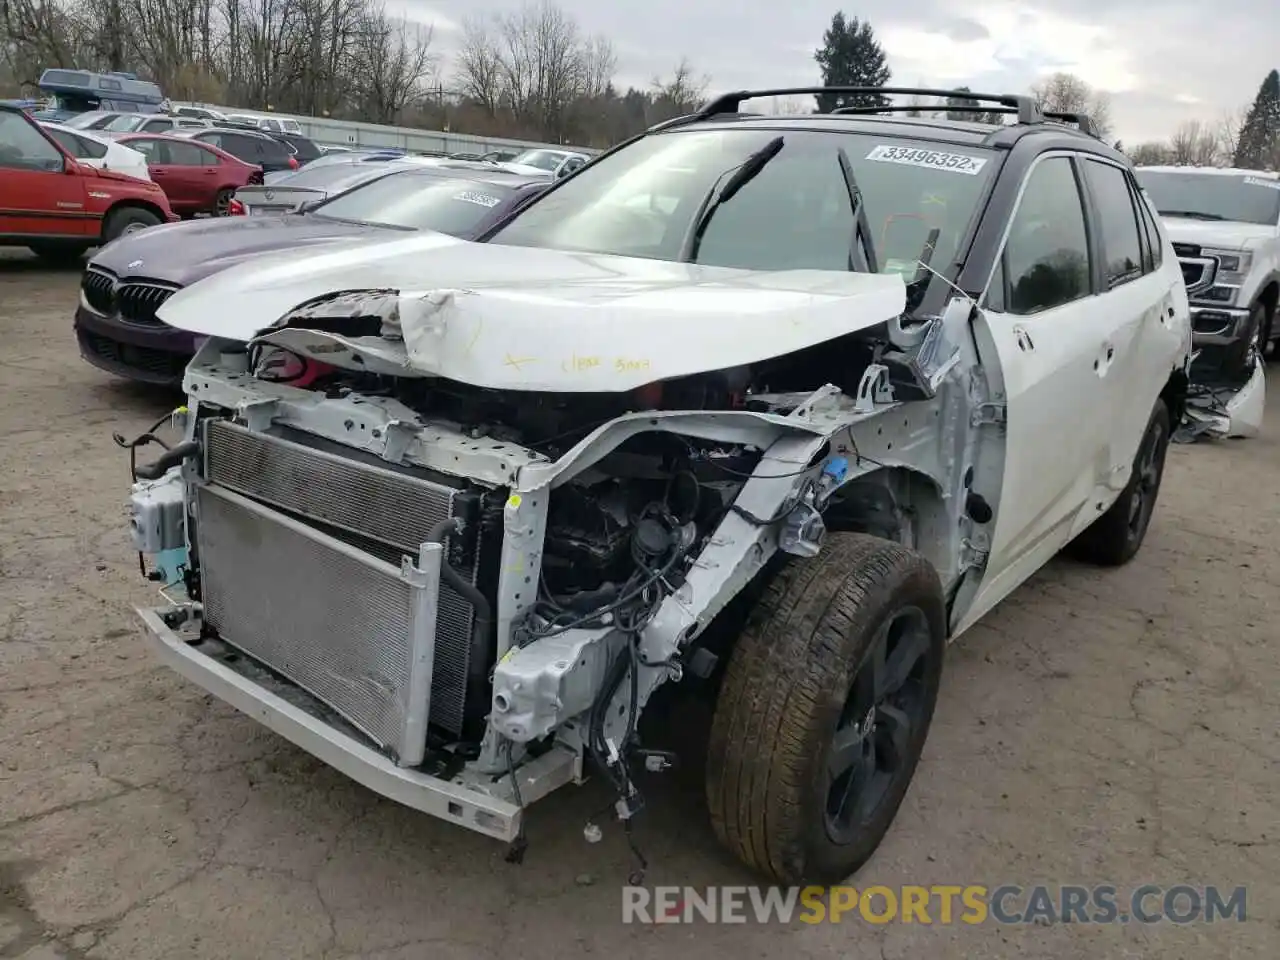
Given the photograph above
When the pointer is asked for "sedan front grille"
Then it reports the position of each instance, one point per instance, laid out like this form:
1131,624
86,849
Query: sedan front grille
99,288
138,302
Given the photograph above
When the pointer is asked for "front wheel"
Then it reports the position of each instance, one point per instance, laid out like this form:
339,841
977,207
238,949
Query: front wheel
222,203
1265,331
1258,338
1116,536
126,220
824,709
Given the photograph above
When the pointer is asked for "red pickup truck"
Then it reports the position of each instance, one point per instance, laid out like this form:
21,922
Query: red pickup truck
59,207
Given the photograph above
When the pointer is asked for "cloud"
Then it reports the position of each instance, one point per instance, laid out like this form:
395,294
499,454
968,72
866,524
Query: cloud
963,29
1141,51
429,14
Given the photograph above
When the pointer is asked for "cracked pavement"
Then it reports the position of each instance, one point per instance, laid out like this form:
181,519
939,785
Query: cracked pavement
1099,727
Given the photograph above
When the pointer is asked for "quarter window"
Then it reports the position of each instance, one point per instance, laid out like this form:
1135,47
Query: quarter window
1046,257
1118,222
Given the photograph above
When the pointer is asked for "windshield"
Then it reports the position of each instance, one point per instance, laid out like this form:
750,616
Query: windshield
794,214
419,202
82,121
542,159
74,101
126,122
332,177
1213,196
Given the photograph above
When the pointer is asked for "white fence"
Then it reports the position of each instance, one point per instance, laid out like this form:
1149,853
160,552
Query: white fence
358,135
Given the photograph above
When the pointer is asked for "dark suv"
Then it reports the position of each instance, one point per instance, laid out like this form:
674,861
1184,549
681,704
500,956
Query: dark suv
248,145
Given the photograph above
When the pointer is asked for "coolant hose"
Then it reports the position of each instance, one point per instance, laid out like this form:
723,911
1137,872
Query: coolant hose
480,629
167,460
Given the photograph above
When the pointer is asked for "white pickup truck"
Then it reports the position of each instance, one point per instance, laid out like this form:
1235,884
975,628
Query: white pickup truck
1225,227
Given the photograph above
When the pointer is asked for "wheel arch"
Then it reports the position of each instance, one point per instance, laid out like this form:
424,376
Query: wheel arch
897,503
1269,296
1174,395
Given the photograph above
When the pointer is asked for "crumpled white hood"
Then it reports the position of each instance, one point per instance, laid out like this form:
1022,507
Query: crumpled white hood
519,318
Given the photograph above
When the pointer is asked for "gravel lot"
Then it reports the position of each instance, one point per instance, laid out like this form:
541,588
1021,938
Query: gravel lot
1115,727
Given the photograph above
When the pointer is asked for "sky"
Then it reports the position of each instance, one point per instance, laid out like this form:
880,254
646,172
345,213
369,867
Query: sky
1161,61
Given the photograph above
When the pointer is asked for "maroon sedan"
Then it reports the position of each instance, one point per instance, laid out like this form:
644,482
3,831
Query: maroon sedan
196,177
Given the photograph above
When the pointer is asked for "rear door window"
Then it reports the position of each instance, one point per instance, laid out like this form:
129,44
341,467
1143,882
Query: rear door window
189,155
156,151
246,148
273,151
1118,222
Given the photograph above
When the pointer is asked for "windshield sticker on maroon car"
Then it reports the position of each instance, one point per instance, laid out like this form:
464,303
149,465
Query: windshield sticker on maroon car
1259,182
481,198
933,159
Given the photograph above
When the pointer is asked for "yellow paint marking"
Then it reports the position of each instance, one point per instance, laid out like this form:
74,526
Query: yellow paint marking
474,337
518,362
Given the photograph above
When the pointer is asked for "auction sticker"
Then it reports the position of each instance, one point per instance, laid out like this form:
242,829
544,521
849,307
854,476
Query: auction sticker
481,198
933,159
1260,182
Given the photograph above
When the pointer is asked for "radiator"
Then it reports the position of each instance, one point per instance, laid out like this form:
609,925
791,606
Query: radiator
326,622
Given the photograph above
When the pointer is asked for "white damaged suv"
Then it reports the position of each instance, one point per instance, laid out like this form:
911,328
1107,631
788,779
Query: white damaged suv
767,408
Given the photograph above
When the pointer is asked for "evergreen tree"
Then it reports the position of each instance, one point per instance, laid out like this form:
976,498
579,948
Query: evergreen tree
957,101
850,56
1259,143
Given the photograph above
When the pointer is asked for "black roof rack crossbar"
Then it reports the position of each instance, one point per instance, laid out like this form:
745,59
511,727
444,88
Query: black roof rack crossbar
1026,107
1085,124
1081,120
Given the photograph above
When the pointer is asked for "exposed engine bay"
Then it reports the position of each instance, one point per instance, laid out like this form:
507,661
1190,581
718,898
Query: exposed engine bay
561,555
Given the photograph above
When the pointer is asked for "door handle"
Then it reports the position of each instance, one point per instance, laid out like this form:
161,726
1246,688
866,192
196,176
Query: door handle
1025,343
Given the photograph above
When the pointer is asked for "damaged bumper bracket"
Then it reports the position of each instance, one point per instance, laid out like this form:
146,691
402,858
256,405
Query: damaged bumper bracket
484,805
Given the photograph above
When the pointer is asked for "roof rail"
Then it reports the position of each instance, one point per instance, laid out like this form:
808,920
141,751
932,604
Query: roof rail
1081,120
1025,106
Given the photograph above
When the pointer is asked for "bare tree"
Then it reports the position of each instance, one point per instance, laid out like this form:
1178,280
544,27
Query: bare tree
1150,154
533,63
1194,144
478,73
683,92
1067,93
1228,131
600,63
394,65
791,106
